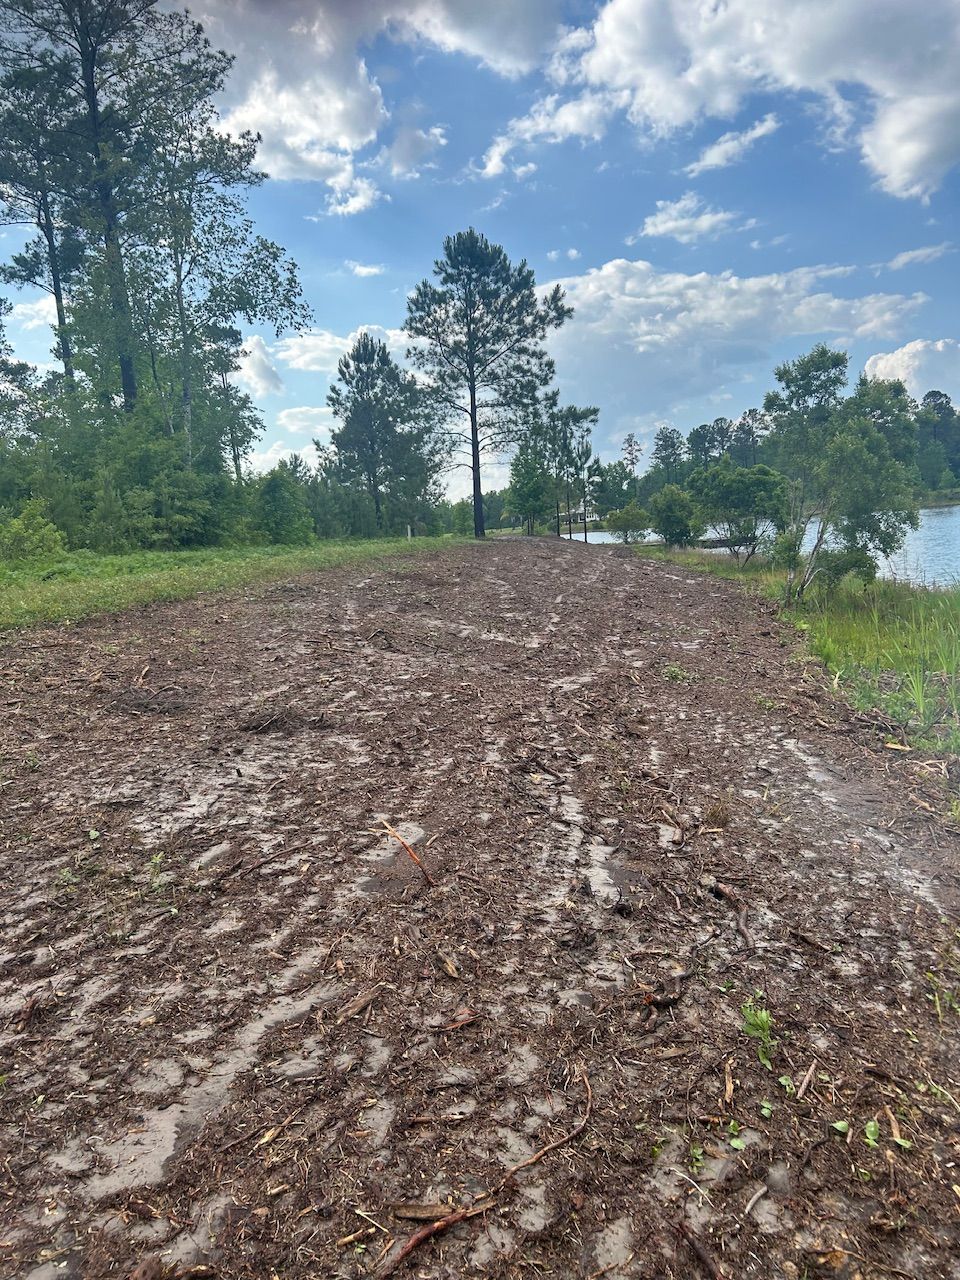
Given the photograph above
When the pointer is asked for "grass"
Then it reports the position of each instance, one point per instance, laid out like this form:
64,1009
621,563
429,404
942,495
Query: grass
890,646
83,583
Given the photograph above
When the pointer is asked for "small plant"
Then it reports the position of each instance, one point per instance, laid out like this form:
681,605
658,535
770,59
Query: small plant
696,1159
675,673
841,1126
871,1133
738,1143
766,1108
156,868
758,1025
786,1083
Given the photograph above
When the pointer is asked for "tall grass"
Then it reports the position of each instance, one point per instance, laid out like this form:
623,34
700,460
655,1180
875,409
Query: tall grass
84,583
895,647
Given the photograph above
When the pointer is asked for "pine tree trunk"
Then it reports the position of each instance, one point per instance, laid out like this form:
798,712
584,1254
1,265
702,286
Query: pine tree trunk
478,529
113,254
53,260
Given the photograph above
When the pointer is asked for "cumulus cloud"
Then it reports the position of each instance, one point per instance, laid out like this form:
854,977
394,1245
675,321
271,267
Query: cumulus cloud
551,120
301,81
922,365
553,255
679,336
319,350
34,315
915,257
257,373
688,220
314,421
363,269
410,151
731,147
886,80
261,460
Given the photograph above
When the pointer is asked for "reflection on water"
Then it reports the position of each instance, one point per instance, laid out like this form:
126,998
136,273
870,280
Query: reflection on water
930,554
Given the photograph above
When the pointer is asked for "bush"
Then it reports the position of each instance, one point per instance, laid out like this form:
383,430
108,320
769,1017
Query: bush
833,566
673,517
30,535
628,524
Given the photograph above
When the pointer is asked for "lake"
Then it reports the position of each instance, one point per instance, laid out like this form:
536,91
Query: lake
930,554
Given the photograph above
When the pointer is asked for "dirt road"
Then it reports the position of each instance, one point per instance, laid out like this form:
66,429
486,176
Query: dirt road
243,1034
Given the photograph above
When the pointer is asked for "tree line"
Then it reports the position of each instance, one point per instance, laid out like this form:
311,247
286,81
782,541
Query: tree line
824,478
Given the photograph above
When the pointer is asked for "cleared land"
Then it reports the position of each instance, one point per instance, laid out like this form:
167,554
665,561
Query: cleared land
243,1034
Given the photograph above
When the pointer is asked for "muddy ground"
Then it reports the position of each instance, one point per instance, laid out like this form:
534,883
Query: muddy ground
244,1036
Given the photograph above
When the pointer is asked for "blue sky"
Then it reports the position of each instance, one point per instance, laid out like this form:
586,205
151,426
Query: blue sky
717,186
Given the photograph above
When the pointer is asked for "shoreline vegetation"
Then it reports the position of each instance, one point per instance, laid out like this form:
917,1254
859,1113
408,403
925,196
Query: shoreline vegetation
891,647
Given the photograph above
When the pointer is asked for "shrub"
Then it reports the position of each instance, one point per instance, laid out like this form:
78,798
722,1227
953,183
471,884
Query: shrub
673,517
30,535
628,524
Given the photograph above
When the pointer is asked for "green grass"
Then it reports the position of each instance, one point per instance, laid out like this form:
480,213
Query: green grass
894,648
890,647
83,583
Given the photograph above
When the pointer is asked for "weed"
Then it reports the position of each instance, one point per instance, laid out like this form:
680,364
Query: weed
676,673
758,1025
697,1158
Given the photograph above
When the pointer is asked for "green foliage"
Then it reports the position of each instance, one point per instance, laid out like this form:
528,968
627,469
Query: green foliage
742,503
849,462
673,517
531,485
30,535
282,507
630,524
387,442
758,1025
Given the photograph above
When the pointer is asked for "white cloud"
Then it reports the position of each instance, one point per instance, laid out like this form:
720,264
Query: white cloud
311,420
554,255
363,269
319,350
301,81
257,373
550,120
687,220
261,460
885,76
922,365
915,257
408,154
731,147
680,336
34,315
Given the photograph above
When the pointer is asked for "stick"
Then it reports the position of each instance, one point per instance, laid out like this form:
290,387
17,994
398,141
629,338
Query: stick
441,1224
412,852
425,1232
551,1146
700,1249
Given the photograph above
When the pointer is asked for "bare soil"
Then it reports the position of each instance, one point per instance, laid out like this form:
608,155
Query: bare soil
244,1036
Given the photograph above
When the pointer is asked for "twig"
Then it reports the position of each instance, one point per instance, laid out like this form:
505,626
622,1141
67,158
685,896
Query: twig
426,1231
488,1202
551,1146
701,1251
805,1082
722,891
613,1266
412,852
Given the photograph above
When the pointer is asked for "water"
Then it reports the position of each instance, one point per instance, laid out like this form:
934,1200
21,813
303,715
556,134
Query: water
930,554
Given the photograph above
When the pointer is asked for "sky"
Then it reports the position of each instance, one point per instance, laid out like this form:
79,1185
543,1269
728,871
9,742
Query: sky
717,185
